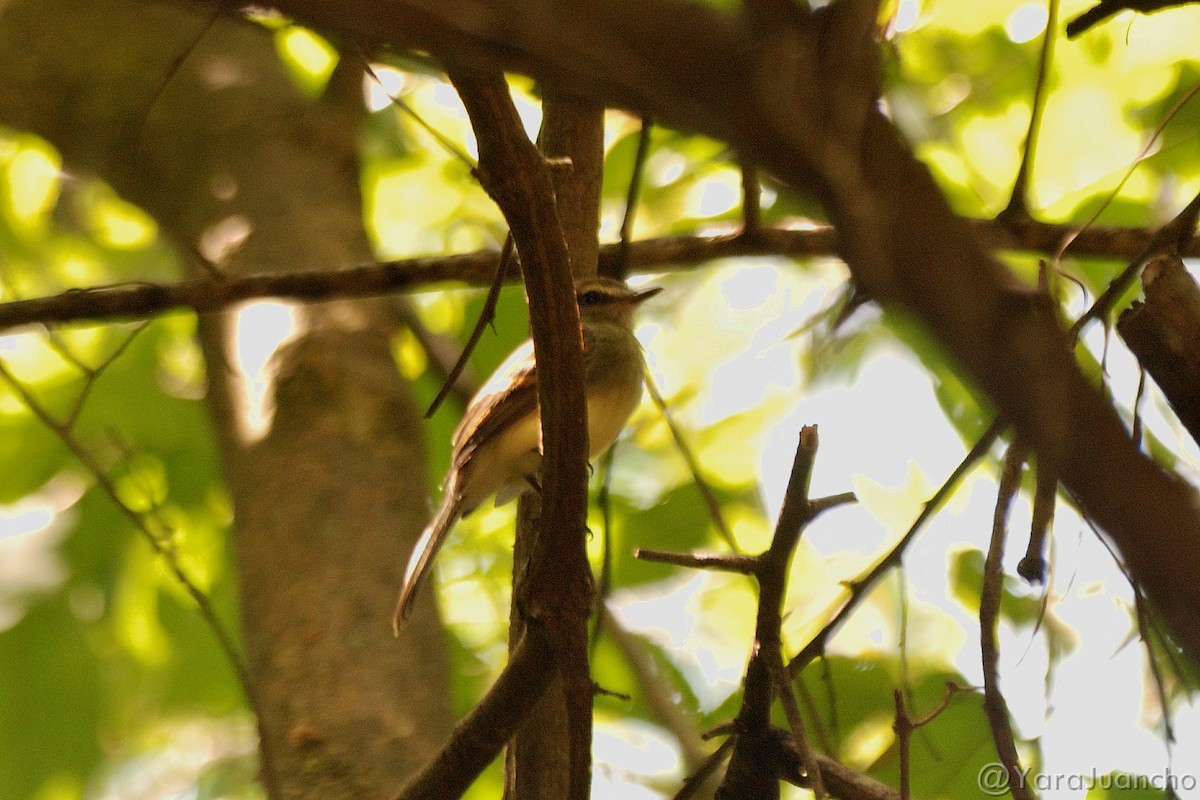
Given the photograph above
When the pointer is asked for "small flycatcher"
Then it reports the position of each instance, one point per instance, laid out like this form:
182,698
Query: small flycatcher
497,446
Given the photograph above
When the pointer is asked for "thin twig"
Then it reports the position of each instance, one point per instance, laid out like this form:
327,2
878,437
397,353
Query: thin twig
1148,635
810,708
1170,651
91,374
604,581
823,504
796,724
169,75
444,141
699,778
442,349
81,454
620,266
487,316
744,565
859,587
831,699
1155,243
1176,236
1018,202
1135,432
906,688
751,199
904,726
995,707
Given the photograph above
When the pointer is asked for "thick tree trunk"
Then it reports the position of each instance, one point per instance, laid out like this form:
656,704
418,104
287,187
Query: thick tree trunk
193,118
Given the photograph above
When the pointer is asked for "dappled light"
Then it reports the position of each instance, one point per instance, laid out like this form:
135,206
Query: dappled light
214,464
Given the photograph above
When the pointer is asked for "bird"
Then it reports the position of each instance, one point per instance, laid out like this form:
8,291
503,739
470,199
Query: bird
496,448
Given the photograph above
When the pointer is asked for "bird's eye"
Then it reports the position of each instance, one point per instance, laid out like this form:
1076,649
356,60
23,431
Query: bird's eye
591,298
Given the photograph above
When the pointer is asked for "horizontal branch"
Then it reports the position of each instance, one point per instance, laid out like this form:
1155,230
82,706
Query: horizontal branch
142,300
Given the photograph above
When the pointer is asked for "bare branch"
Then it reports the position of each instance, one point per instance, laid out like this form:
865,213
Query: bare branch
700,777
751,199
1107,8
745,565
823,504
904,725
989,618
486,316
618,268
795,514
1018,202
556,593
1170,239
478,738
140,300
859,587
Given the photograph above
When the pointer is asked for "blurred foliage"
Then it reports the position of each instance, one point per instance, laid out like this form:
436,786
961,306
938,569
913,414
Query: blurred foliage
113,685
1123,786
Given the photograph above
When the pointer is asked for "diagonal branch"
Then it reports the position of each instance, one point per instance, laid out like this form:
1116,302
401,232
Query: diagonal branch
859,587
1018,202
1107,8
479,738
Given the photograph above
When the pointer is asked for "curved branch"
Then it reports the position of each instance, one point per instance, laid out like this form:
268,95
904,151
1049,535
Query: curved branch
478,739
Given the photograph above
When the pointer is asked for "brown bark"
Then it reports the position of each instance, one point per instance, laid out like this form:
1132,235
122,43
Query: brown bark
554,584
198,124
539,762
671,253
1164,333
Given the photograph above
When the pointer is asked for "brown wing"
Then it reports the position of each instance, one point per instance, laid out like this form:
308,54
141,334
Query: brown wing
508,395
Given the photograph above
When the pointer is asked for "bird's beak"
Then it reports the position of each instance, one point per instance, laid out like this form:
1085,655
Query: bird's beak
643,296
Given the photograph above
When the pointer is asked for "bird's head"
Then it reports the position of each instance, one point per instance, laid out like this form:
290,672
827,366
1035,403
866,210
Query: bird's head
605,299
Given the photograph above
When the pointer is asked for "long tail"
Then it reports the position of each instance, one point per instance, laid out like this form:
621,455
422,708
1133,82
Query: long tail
426,550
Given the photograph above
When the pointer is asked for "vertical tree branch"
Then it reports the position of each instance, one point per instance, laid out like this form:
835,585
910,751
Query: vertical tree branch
989,618
556,739
557,588
761,757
